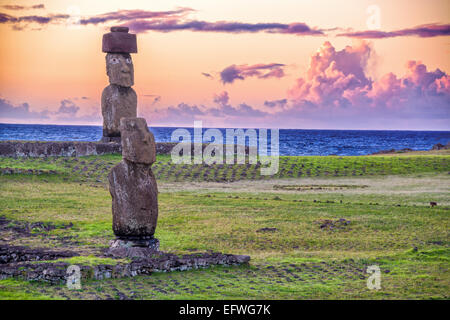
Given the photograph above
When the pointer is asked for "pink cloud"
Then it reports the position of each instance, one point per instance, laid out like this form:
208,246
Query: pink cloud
221,98
337,82
333,77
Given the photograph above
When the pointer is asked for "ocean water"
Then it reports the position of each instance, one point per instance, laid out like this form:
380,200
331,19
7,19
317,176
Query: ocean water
292,141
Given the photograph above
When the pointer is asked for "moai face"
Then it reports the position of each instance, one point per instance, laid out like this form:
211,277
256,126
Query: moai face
138,143
119,68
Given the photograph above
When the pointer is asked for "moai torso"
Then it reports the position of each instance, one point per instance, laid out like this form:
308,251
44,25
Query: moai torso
135,201
117,102
132,184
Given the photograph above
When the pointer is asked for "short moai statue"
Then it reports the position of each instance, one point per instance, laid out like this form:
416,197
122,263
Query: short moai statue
118,99
133,189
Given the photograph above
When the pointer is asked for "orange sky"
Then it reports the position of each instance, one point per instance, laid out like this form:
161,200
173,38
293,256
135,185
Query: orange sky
64,61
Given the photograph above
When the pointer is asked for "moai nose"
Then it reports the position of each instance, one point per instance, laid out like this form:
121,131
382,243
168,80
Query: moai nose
124,66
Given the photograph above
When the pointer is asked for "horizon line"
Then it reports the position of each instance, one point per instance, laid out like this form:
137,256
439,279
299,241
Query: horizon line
92,125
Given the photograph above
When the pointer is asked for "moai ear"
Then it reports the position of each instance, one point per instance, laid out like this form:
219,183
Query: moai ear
107,65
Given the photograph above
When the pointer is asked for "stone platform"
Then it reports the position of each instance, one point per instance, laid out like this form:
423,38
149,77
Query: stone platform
25,263
17,149
138,248
42,149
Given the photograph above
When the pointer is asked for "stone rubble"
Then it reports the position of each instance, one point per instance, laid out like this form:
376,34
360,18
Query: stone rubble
9,254
56,272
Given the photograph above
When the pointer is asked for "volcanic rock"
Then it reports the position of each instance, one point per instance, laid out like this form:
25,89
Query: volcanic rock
117,102
138,143
134,200
119,68
119,41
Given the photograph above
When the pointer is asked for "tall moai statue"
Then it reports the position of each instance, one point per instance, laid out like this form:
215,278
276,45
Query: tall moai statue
118,99
133,189
131,182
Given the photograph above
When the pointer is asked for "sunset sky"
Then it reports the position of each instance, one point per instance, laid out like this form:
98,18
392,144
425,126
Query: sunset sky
324,64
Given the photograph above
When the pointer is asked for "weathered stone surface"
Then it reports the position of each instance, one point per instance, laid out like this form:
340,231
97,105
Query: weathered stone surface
134,249
119,68
119,29
118,99
111,139
119,41
117,102
151,243
16,149
134,200
138,143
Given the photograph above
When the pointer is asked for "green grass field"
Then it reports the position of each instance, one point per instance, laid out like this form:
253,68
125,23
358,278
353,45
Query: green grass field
288,224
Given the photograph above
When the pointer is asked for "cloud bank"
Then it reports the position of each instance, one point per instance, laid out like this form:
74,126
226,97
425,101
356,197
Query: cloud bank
140,21
20,112
169,25
67,111
336,86
335,91
18,8
133,15
423,31
338,79
184,114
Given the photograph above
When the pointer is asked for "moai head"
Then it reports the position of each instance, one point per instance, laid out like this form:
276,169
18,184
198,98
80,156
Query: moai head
119,67
138,143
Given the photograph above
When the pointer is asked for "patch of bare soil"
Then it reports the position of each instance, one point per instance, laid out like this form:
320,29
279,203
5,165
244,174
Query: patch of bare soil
331,225
314,187
29,229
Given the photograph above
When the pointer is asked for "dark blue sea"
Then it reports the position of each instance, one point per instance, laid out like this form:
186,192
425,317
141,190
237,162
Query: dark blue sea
292,141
